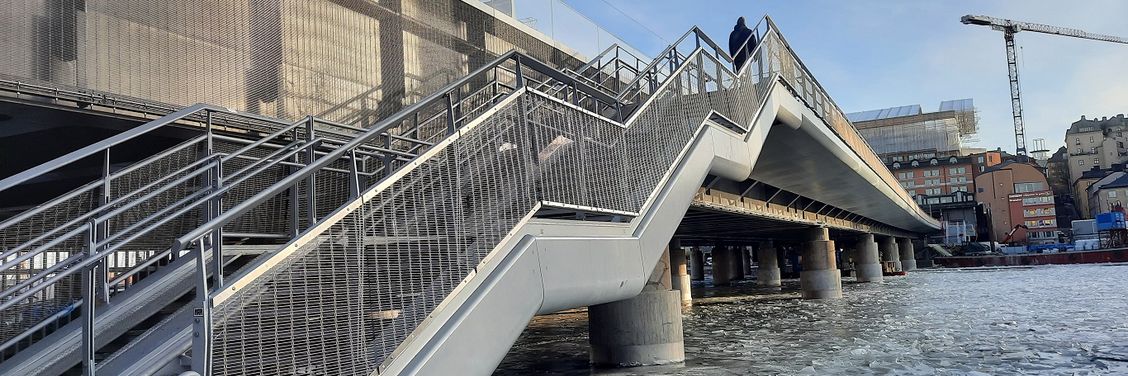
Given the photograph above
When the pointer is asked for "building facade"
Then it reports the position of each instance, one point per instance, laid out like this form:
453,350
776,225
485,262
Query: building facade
945,189
1018,203
906,133
1093,143
1107,194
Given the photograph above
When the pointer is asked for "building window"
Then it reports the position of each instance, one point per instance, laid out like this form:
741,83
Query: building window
1029,187
952,160
1093,150
915,164
980,159
1080,162
1091,140
1096,162
1077,141
1111,194
934,162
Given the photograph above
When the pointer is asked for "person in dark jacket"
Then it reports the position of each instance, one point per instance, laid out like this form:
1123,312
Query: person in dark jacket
741,33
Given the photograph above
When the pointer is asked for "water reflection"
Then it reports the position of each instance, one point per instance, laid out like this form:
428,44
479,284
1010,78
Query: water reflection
1070,319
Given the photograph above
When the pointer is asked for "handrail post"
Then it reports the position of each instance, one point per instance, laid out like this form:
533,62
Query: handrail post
201,315
451,126
215,208
311,181
354,175
517,72
88,302
101,230
210,144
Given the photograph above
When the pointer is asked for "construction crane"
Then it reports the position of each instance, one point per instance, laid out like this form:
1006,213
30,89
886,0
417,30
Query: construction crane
1009,28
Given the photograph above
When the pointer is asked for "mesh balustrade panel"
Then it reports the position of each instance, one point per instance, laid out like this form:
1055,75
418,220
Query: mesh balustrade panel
344,301
33,234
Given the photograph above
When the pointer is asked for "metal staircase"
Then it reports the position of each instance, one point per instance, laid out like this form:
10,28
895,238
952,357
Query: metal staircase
318,248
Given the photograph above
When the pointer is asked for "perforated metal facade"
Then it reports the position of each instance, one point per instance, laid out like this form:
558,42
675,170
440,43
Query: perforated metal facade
353,61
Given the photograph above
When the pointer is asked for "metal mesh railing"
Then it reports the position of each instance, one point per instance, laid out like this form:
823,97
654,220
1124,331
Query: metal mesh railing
363,283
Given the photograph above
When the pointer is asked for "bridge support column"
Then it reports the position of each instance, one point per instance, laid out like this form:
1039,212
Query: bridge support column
867,262
767,274
908,257
679,274
643,330
820,278
696,264
890,253
745,261
738,262
722,266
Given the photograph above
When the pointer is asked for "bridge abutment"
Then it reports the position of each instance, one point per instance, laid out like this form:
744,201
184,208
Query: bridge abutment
908,256
767,274
867,264
643,330
819,278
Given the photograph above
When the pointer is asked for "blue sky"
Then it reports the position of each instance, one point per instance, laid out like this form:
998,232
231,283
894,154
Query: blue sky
873,54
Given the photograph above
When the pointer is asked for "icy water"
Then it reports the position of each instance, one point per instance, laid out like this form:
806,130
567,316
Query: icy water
1070,319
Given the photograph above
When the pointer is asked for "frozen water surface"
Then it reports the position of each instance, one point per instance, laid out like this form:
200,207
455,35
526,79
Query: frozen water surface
1070,319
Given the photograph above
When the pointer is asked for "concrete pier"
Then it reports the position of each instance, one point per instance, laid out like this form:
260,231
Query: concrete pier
746,255
643,330
908,256
767,274
737,262
890,253
867,264
722,266
679,273
696,264
819,277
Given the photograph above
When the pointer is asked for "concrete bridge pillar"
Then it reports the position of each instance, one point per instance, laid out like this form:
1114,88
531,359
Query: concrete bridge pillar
643,330
696,264
819,278
722,266
767,274
867,262
738,262
908,257
890,253
746,256
679,272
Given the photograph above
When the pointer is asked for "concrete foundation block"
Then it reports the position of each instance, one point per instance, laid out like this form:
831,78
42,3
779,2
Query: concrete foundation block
643,330
821,284
868,272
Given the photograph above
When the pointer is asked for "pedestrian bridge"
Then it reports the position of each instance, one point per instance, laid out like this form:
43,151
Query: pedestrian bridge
425,244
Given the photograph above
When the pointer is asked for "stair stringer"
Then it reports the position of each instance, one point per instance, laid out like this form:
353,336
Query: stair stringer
548,265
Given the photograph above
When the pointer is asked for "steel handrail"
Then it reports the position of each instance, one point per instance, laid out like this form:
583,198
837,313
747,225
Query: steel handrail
438,97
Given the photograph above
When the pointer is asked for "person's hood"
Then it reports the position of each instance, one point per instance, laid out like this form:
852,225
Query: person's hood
739,24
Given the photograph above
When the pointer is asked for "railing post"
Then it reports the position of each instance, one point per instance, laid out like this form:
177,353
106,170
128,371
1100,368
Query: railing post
215,207
209,142
311,195
517,72
201,315
354,175
451,127
88,302
101,230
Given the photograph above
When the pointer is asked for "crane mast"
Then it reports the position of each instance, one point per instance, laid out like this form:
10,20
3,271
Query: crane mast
1009,28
